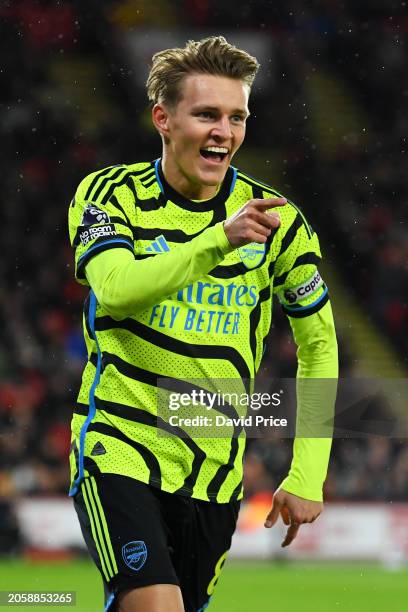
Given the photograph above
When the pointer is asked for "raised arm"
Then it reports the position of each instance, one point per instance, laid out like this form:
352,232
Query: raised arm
102,232
125,286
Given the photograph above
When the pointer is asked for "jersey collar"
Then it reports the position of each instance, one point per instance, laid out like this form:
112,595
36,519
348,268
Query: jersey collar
218,200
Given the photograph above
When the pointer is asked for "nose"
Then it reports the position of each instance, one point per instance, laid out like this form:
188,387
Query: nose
222,129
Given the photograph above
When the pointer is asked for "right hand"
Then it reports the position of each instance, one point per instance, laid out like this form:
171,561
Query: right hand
252,222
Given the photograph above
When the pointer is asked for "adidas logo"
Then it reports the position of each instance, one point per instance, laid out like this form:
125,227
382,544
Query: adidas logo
98,449
159,245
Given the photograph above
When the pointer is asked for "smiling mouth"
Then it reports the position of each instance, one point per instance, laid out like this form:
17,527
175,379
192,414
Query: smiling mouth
214,154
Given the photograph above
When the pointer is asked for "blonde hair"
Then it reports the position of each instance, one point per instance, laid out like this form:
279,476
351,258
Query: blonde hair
213,55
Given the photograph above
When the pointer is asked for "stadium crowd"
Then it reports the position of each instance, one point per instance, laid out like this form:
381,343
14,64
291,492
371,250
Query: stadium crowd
371,57
50,143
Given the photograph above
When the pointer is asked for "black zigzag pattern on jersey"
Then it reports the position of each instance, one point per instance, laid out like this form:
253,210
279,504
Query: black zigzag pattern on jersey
291,234
116,204
220,213
111,180
141,416
114,184
129,370
176,235
253,182
86,315
246,178
223,471
254,317
151,378
89,464
136,415
215,485
147,175
93,358
271,269
236,492
305,258
98,176
115,179
81,409
257,192
229,271
74,449
148,181
197,351
148,457
240,269
131,185
150,204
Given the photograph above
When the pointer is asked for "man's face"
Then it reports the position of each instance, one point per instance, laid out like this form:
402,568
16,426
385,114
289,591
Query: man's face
203,132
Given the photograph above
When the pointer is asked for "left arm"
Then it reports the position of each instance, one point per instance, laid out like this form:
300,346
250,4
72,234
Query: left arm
305,300
299,497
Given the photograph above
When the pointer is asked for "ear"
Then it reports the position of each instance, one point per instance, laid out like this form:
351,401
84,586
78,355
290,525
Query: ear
160,118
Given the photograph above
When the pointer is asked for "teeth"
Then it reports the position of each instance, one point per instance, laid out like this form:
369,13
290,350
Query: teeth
216,149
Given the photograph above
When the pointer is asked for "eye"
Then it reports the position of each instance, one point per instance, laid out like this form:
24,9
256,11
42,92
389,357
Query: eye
205,114
237,119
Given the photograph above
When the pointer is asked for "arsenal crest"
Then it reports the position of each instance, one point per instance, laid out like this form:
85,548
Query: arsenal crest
252,255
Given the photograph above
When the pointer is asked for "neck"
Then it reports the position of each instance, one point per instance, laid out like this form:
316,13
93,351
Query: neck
183,184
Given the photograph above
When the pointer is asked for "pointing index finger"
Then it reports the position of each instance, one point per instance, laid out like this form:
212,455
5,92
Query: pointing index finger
264,204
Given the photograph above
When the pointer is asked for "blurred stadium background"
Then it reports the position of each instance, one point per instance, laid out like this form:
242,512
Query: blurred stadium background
329,129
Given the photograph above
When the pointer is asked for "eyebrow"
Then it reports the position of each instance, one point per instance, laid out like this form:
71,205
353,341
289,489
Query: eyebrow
236,111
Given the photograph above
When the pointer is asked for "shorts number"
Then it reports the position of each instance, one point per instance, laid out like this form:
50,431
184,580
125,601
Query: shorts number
217,572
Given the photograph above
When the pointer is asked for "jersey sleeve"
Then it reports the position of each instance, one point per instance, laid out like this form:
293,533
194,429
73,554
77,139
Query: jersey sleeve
316,389
297,281
303,293
125,286
95,223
